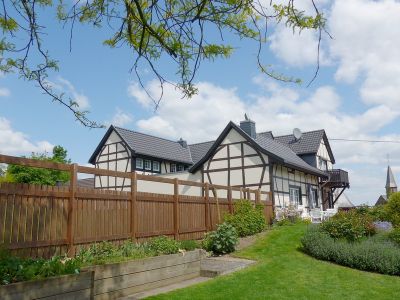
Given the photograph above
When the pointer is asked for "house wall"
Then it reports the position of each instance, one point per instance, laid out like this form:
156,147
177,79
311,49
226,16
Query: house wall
115,156
324,154
236,163
164,188
284,177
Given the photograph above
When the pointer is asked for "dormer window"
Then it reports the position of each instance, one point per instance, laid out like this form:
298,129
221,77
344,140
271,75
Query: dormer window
173,168
323,164
139,163
147,164
156,166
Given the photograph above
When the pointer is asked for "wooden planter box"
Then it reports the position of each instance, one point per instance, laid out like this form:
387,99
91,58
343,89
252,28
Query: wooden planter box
76,286
121,279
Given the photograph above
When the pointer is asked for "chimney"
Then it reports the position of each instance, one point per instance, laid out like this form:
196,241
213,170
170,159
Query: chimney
248,126
183,143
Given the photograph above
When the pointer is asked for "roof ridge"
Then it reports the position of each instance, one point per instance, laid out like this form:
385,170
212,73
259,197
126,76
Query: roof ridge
302,132
202,143
134,131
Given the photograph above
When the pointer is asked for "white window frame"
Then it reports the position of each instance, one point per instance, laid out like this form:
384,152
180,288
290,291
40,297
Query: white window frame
139,163
295,195
172,168
323,164
156,166
146,167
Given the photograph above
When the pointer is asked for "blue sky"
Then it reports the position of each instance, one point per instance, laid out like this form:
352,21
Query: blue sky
356,95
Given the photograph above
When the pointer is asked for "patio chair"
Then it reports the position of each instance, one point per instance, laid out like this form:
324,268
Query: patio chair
316,216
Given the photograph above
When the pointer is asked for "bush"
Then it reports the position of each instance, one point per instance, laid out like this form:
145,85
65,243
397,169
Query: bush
221,241
14,269
351,225
163,245
393,209
247,219
378,213
372,254
189,245
394,235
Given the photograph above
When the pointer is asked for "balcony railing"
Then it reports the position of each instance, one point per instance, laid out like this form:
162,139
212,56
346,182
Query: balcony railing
338,177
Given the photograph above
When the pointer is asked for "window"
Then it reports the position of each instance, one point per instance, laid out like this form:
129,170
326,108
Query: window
313,198
173,168
139,163
147,164
156,166
323,164
180,168
295,196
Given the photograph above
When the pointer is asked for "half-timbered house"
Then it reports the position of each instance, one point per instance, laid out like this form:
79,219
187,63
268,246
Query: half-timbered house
297,170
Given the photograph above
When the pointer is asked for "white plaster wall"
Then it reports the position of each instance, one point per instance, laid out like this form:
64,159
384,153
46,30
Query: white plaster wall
233,137
323,153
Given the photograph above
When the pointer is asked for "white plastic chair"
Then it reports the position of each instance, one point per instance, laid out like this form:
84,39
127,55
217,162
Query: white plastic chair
316,216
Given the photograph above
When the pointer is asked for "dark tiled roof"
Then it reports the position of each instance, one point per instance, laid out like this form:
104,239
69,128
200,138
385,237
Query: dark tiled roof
308,143
286,153
199,150
86,183
267,134
145,144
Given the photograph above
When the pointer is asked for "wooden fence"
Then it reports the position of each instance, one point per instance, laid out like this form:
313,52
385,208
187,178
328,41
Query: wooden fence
46,220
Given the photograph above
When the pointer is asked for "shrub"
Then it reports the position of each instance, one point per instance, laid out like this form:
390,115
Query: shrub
221,241
378,213
99,253
393,209
351,225
372,254
246,219
15,269
394,235
287,216
189,245
163,245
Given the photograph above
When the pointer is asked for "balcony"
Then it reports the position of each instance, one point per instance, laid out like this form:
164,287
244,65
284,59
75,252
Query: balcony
338,178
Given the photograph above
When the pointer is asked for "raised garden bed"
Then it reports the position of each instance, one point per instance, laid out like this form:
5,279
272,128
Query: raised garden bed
120,279
75,286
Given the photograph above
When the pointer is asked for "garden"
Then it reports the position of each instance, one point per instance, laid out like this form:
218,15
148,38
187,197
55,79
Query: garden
246,220
363,238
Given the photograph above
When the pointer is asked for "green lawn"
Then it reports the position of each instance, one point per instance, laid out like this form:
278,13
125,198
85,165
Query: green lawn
283,272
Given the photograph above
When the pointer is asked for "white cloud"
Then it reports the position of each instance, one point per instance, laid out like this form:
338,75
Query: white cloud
120,118
366,46
197,119
297,49
65,86
4,92
14,142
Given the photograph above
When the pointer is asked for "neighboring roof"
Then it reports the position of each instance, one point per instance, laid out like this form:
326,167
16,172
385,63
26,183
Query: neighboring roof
148,145
344,201
199,150
86,183
381,200
308,143
266,145
390,181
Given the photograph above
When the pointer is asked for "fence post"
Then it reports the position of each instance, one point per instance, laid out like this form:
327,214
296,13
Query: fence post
258,196
230,199
207,206
133,205
176,208
241,193
71,209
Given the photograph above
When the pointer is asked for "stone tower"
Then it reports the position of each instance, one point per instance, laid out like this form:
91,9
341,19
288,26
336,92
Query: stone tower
391,186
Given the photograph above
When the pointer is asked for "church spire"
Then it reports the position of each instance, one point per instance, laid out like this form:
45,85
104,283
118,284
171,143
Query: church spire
391,186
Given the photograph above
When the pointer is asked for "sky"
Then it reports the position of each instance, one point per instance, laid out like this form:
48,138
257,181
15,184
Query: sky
355,96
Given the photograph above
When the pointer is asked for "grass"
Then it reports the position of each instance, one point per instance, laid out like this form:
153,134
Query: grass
284,272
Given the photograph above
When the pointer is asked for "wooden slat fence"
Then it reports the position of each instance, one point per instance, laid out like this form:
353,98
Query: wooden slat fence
41,221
